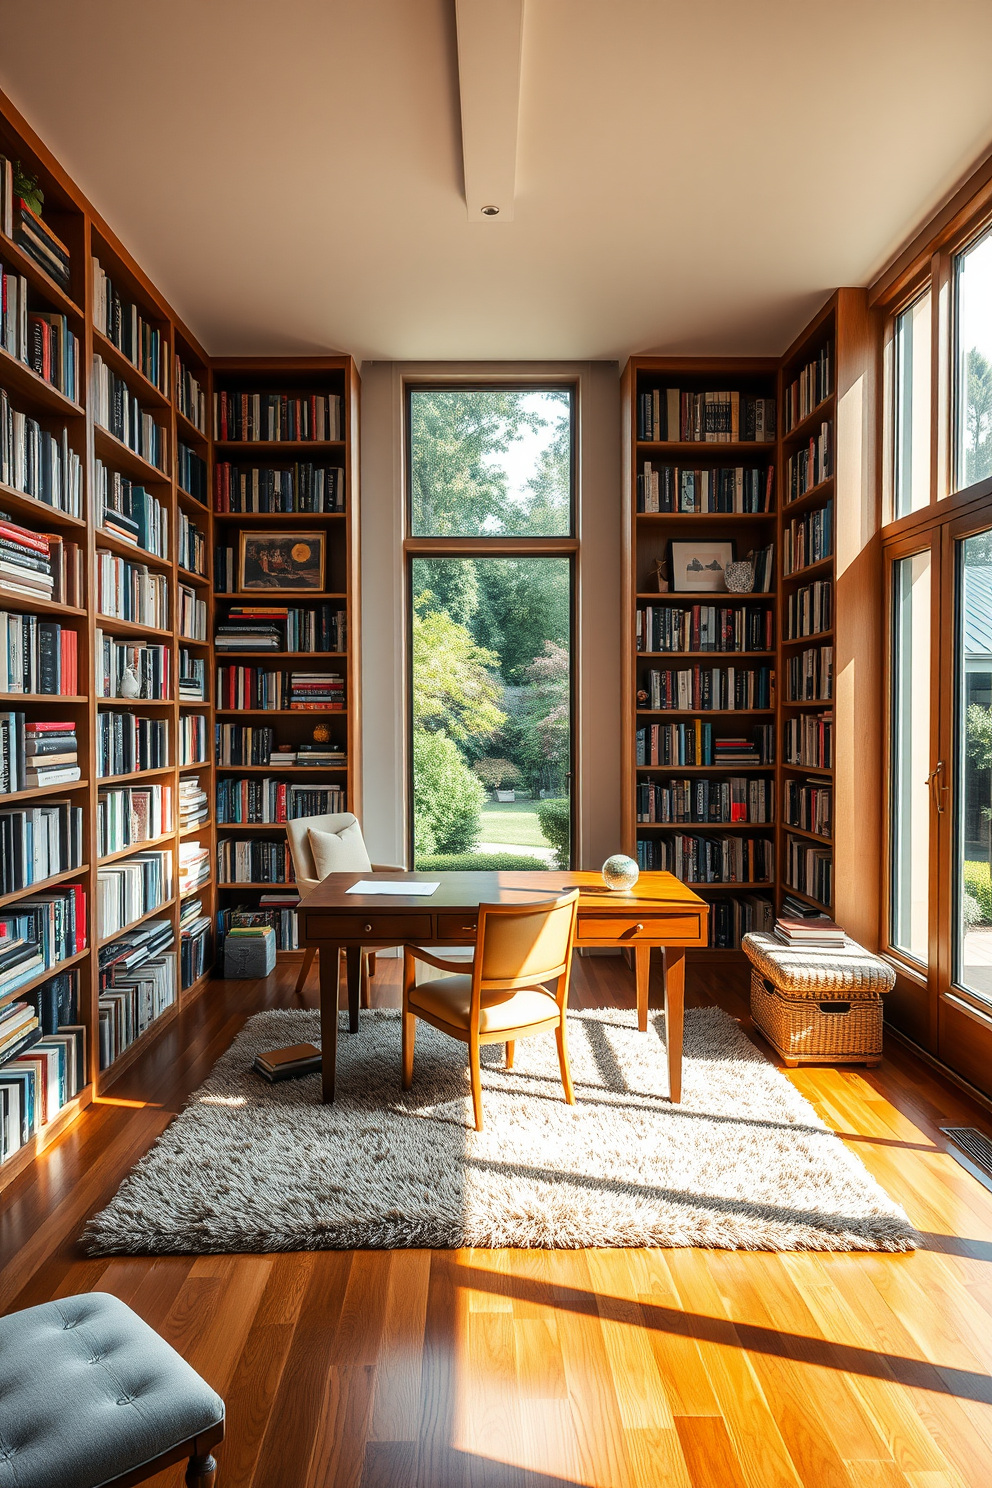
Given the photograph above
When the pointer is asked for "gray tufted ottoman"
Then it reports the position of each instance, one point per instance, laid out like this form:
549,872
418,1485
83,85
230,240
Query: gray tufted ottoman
91,1396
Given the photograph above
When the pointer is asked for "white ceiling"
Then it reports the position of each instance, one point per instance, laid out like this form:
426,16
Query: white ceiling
690,177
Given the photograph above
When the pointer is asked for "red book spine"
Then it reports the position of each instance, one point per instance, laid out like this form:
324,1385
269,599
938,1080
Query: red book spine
24,538
80,898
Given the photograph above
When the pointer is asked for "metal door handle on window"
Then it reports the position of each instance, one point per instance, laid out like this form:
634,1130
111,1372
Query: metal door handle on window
935,788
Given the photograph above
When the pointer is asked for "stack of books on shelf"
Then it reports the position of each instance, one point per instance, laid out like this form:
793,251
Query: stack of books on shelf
42,1059
122,323
693,744
807,391
37,462
191,473
116,409
25,561
727,489
35,237
191,398
36,754
137,986
316,756
705,627
711,689
192,739
131,591
316,692
38,842
739,799
194,867
128,669
810,465
809,805
808,539
758,750
192,614
192,552
131,888
37,656
275,417
268,801
250,629
127,742
194,806
277,910
808,928
132,514
674,415
277,628
254,861
304,487
132,815
194,941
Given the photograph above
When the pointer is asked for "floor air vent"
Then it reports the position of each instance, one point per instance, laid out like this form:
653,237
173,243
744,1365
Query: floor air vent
973,1150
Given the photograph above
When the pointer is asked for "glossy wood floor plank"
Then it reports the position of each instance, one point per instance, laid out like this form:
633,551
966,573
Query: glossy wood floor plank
541,1369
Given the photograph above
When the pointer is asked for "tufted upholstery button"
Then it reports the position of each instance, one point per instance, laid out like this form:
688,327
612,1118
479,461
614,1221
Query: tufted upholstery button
125,1400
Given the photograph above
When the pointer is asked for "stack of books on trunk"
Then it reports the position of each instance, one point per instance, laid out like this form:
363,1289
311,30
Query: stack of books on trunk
283,1064
805,930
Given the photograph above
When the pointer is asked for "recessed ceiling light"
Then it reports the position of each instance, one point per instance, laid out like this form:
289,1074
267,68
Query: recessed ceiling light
490,211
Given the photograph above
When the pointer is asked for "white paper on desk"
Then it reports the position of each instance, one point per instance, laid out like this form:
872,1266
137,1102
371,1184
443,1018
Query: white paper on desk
384,886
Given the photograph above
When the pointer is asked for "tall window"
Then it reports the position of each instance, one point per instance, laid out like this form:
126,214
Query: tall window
491,557
973,798
909,903
912,407
973,392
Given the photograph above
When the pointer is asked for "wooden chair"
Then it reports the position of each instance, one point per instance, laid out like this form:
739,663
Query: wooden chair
351,857
518,948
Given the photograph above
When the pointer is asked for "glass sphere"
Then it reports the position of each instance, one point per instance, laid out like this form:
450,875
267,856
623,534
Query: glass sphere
620,873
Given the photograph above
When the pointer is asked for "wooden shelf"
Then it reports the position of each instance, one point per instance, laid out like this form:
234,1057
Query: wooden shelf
115,780
251,518
195,765
734,769
809,640
810,770
14,599
149,914
124,629
700,449
711,596
743,828
186,576
277,598
281,712
152,843
110,448
819,837
812,570
50,1132
251,826
808,425
721,517
137,1046
274,446
19,379
810,498
124,549
107,702
43,884
726,657
18,259
704,713
267,887
805,898
805,704
224,657
42,790
197,829
282,769
17,993
141,386
24,508
195,505
34,698
188,431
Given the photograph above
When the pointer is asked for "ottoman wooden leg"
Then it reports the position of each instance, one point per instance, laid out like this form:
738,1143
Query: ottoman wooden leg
201,1472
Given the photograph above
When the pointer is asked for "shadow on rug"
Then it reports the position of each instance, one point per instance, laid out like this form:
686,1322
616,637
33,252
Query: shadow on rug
743,1162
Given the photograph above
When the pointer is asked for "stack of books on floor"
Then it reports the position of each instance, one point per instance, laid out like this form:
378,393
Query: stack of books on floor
131,815
128,669
42,1059
36,842
194,941
36,754
126,742
132,888
803,927
130,513
194,866
192,677
287,1064
251,628
194,807
316,692
37,656
37,462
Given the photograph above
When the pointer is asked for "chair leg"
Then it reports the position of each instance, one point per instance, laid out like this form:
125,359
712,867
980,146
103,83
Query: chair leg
510,1046
308,956
365,982
409,1019
201,1472
561,1038
475,1071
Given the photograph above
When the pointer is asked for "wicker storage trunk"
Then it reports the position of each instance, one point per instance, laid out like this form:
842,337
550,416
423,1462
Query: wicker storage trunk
818,1005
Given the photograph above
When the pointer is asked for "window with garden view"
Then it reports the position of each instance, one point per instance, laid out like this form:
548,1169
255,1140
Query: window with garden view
491,626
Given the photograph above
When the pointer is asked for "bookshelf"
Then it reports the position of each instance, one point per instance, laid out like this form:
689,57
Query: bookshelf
255,482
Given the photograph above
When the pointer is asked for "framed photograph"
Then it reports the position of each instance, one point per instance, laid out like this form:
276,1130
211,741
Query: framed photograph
699,565
282,562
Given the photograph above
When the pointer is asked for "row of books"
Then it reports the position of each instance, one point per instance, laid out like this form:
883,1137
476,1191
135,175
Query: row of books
808,539
731,919
708,418
194,867
704,627
694,745
194,942
711,689
192,739
194,805
329,756
254,861
14,336
192,614
273,909
41,565
34,754
131,888
739,799
37,462
808,740
303,487
669,488
130,669
191,397
192,546
37,842
807,391
275,417
809,869
42,1059
131,591
136,994
192,677
809,610
810,465
132,815
696,858
28,231
130,512
39,932
282,628
122,322
809,804
38,657
128,742
810,675
251,687
41,339
116,409
269,801
191,473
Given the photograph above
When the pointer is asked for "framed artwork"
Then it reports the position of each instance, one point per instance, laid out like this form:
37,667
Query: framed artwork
282,562
696,564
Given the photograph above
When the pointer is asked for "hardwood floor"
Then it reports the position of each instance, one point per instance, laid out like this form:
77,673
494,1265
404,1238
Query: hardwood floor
536,1369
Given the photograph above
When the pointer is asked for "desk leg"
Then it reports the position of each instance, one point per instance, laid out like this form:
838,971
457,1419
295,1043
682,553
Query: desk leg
328,962
354,986
674,1016
642,964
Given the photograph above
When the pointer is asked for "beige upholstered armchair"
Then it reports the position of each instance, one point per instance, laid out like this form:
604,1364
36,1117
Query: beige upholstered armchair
331,844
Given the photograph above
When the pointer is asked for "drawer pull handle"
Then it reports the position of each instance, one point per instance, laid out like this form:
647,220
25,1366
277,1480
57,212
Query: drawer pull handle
368,927
638,927
470,927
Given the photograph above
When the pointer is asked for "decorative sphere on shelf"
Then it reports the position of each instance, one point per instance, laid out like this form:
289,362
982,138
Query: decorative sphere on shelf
739,577
620,873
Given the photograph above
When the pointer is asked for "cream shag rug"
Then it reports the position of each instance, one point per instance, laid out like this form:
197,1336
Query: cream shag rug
743,1162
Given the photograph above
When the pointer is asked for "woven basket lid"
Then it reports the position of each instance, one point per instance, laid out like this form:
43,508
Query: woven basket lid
809,970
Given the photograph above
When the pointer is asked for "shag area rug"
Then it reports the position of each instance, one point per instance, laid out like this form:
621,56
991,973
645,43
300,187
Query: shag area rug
743,1162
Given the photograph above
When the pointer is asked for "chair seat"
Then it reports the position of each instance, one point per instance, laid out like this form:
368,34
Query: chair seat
89,1392
450,999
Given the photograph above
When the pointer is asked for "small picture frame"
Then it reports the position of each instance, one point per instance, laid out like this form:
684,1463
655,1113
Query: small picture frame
282,562
698,565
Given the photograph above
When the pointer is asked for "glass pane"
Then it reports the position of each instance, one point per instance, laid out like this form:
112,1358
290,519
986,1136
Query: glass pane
973,395
973,939
910,812
492,709
490,462
912,400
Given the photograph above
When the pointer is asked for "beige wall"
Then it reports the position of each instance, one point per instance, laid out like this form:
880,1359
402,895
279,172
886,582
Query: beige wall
384,665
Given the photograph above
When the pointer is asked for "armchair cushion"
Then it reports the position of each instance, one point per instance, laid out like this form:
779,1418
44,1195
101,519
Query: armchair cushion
450,999
339,852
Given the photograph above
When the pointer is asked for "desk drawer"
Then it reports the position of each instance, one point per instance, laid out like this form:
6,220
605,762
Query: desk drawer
675,929
372,926
456,926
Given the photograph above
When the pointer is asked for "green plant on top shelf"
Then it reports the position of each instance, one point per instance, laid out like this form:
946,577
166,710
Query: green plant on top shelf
27,189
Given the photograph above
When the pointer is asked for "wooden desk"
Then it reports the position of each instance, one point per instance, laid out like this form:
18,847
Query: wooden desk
658,911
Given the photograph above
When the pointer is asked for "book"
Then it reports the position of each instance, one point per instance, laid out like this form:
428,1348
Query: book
287,1064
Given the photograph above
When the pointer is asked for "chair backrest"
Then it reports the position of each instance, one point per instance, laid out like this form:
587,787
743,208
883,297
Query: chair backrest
525,943
298,832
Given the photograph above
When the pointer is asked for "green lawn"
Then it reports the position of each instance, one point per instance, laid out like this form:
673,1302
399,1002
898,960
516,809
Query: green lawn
514,823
